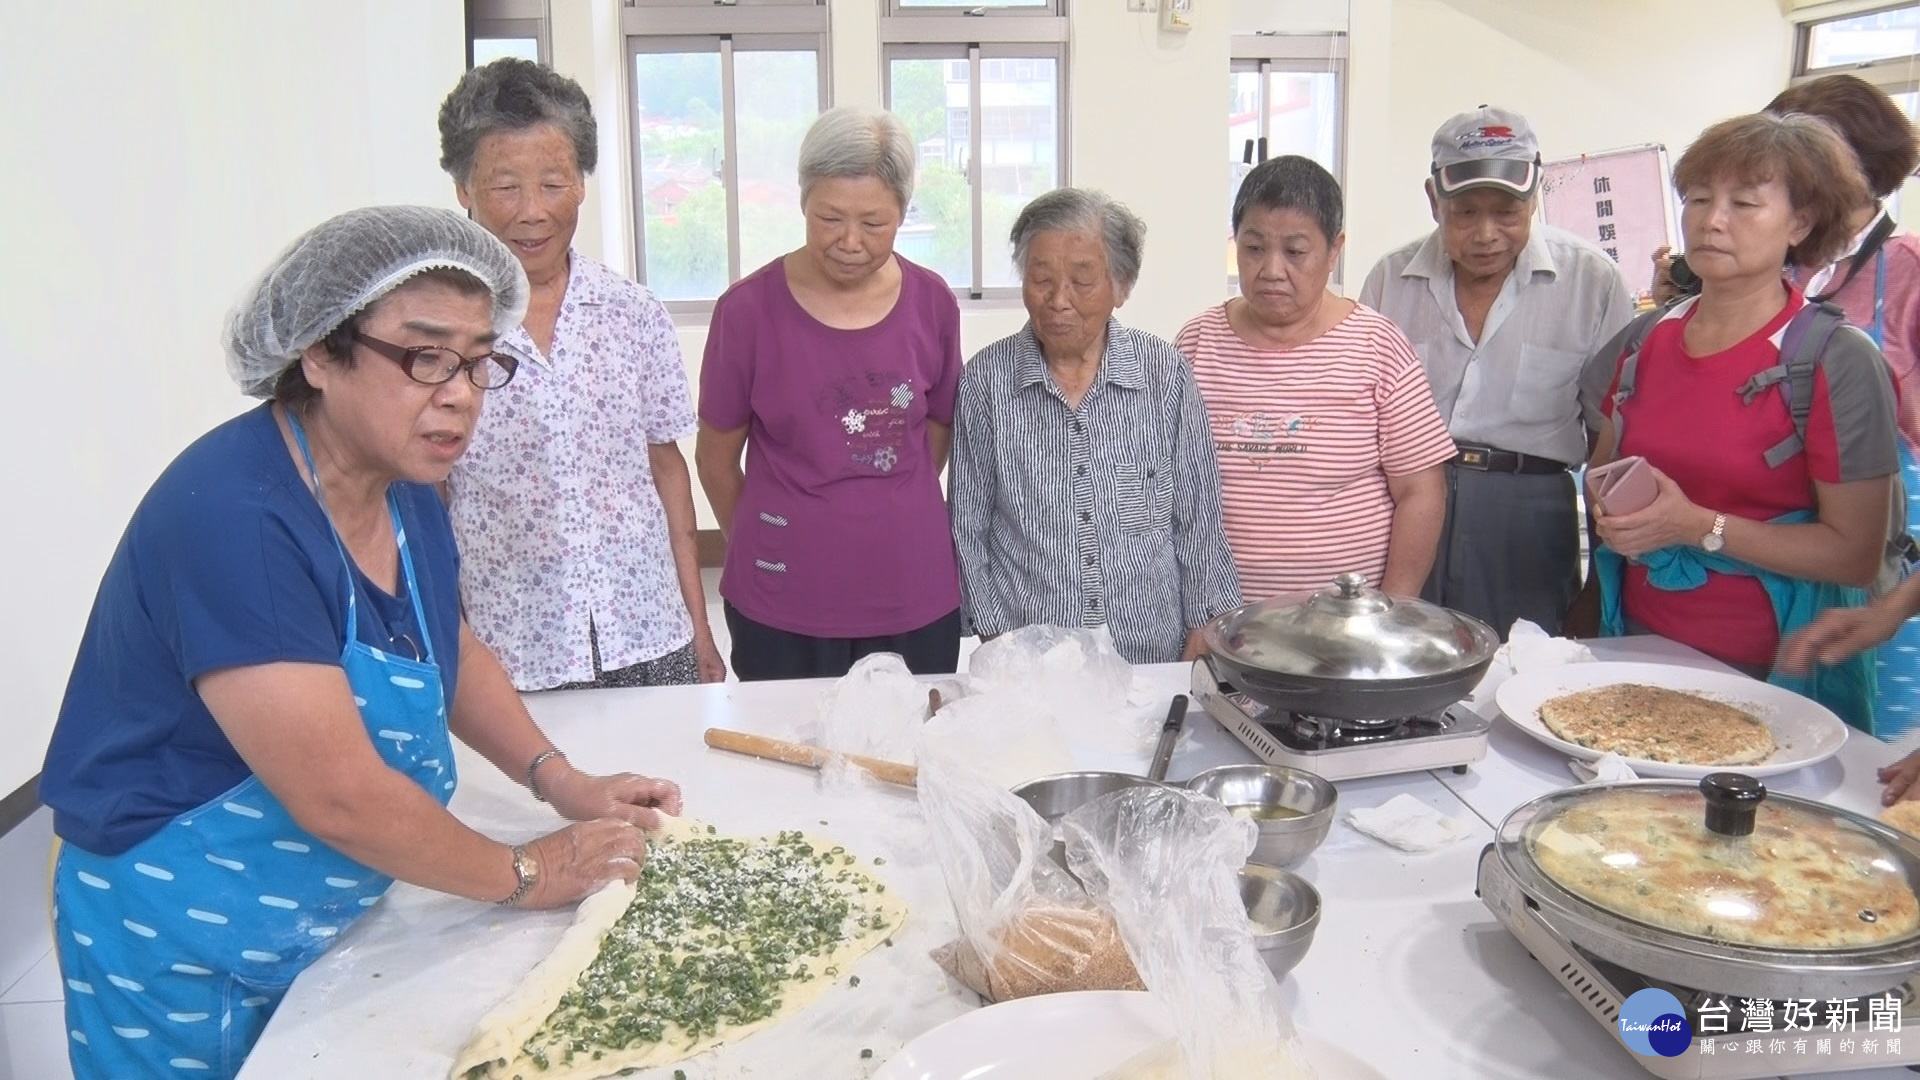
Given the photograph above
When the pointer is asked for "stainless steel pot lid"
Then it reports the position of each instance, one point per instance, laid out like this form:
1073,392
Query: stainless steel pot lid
1350,632
1722,864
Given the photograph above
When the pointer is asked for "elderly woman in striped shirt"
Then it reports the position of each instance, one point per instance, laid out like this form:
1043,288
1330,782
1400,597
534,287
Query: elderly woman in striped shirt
1085,490
1331,450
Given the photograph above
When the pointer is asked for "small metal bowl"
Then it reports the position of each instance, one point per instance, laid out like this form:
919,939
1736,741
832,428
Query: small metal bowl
1257,790
1284,910
1054,797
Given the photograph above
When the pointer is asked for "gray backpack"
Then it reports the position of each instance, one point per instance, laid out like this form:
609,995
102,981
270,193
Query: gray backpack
1802,347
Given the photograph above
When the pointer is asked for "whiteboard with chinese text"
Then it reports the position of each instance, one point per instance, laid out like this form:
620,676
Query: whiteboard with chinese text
1621,200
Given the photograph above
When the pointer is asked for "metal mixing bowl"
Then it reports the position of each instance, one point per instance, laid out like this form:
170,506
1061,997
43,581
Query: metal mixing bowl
1257,790
1054,797
1285,911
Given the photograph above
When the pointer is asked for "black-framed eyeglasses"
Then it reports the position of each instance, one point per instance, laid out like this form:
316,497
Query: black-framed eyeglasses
433,365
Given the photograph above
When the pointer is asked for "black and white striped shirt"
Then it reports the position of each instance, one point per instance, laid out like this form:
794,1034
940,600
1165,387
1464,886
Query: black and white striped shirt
1108,513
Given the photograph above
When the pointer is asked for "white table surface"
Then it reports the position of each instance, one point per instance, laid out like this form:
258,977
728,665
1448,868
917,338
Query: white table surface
1408,971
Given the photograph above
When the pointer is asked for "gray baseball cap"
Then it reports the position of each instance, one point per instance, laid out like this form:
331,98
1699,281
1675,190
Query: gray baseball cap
1487,147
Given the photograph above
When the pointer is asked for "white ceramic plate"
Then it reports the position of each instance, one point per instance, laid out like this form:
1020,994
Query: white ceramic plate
1072,1036
1804,731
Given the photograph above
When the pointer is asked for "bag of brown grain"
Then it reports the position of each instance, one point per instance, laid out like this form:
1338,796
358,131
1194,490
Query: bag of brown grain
1026,926
1044,950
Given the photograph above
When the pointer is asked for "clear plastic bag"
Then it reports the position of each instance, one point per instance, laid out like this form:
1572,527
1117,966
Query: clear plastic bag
876,710
1076,678
1003,739
1166,863
1026,927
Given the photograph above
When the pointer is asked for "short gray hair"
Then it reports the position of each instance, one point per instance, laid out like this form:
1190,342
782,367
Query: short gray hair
851,142
1085,210
511,94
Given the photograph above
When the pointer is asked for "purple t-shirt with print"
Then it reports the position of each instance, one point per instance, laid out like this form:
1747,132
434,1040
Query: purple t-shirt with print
842,529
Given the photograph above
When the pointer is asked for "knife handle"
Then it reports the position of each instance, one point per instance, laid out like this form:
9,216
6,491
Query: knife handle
1169,734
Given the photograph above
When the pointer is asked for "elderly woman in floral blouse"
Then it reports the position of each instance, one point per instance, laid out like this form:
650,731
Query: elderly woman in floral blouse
574,506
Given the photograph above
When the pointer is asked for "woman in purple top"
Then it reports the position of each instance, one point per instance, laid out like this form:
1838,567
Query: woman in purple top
834,367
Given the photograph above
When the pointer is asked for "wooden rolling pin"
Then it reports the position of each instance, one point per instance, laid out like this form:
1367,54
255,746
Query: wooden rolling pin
793,753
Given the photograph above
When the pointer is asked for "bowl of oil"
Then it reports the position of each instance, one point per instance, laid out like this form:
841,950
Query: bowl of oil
1292,808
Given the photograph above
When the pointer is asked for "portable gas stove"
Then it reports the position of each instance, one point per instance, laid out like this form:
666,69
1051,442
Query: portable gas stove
1793,1034
1343,749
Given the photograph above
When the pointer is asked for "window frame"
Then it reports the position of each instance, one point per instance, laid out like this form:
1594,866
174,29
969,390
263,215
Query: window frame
492,20
1034,33
902,9
1893,74
1304,54
680,27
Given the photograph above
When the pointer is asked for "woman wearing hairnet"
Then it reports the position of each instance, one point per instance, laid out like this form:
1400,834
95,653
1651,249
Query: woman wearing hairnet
254,742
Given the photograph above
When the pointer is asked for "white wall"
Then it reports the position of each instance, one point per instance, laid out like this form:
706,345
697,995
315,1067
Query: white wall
156,156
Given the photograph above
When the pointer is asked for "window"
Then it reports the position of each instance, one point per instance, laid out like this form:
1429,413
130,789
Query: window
1882,47
984,95
721,99
1861,39
1288,96
950,5
498,28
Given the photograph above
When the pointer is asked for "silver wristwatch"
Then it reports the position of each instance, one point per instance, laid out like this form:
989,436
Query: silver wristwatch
527,869
1717,539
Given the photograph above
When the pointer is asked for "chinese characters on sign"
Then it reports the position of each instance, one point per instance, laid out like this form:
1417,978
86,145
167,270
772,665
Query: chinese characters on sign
1603,216
1620,201
1837,1020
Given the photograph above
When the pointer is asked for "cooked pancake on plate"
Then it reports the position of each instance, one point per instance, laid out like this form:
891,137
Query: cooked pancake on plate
1656,724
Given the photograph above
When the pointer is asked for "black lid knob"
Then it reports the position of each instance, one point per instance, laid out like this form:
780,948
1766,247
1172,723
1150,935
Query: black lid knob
1732,801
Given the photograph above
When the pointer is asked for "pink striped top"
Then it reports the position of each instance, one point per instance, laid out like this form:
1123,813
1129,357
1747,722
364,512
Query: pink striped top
1307,437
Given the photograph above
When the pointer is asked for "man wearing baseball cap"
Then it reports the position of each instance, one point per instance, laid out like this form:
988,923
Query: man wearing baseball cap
1505,313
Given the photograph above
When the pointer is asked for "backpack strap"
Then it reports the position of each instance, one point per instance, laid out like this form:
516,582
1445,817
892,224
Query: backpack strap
1802,344
1626,345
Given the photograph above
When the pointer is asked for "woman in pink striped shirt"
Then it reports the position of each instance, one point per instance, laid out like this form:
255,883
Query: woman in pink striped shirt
1330,447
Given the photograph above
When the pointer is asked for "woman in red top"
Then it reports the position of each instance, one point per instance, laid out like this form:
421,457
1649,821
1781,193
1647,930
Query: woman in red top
1733,551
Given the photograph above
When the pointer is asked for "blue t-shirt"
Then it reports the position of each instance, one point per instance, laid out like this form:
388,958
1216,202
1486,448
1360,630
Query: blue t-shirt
228,562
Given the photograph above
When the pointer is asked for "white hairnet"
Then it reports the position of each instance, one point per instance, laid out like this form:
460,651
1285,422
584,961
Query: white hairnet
345,264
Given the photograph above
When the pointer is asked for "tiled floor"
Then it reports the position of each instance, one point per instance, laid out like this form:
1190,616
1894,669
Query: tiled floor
33,1044
32,1030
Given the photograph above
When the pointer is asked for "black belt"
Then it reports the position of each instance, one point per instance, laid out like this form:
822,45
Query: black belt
1488,459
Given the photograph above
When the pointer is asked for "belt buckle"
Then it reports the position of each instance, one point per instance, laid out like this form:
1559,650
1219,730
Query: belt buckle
1474,459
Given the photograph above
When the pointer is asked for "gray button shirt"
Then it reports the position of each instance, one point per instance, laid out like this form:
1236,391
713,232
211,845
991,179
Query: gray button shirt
1519,387
1105,513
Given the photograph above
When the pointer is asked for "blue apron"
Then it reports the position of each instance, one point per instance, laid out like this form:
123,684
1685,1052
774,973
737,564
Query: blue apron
177,952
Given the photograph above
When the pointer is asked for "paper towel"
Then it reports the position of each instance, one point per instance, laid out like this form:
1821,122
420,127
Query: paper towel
1407,823
1529,648
1605,768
